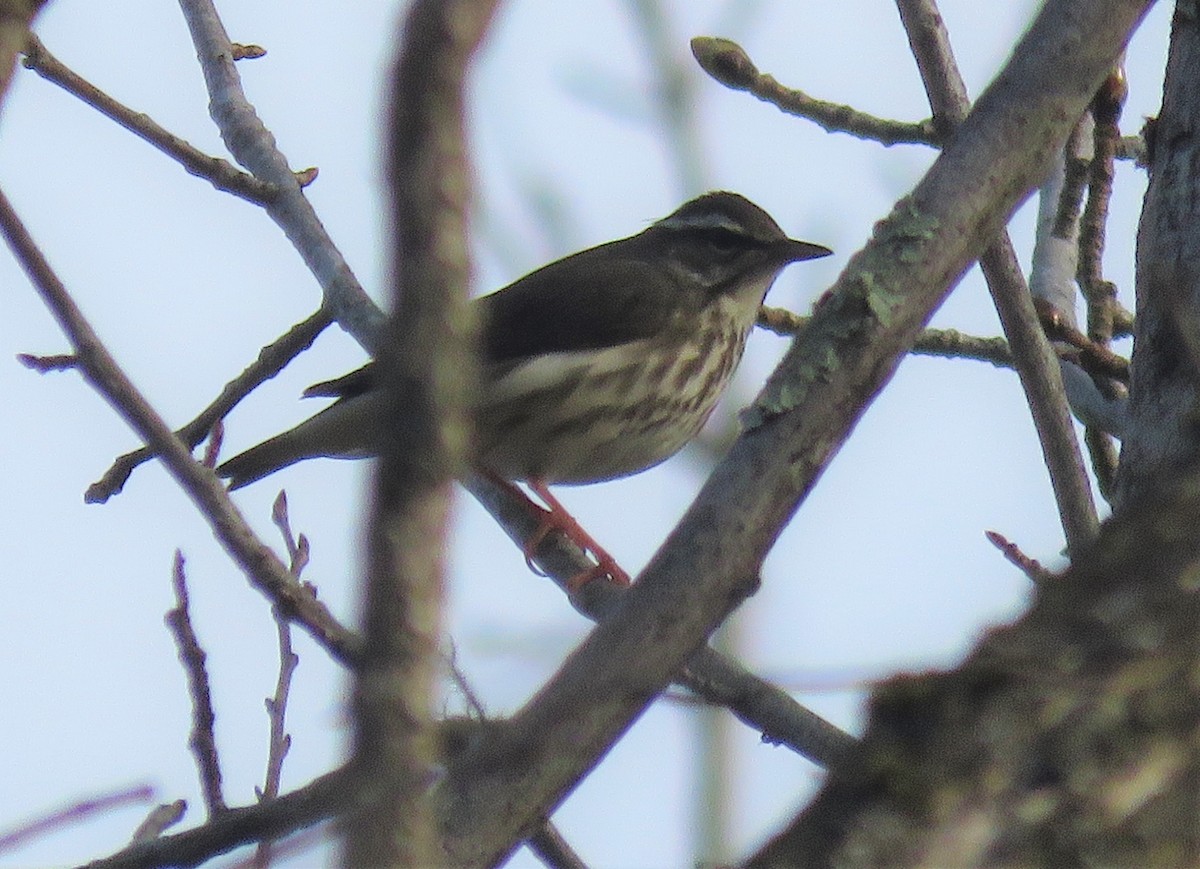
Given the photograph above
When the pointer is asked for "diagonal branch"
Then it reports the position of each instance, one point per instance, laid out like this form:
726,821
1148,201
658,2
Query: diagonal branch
263,568
271,360
252,145
717,678
221,173
316,801
496,792
1036,363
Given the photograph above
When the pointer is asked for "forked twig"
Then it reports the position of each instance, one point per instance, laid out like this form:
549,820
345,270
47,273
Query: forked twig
221,173
271,360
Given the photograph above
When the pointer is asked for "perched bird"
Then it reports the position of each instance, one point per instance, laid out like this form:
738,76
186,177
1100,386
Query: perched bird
596,366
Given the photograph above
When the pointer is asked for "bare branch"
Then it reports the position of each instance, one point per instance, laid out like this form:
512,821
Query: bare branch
271,360
274,819
203,742
1094,356
1031,567
280,741
53,822
1100,294
1132,148
262,567
948,343
1036,363
428,373
46,364
553,850
222,174
765,707
728,63
253,146
160,818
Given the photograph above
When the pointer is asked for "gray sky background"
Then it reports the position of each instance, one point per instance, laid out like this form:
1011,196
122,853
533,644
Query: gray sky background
884,568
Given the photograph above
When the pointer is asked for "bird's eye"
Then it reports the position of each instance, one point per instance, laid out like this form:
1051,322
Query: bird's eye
722,241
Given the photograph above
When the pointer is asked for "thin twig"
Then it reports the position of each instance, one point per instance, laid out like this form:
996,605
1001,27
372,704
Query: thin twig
220,173
1122,321
948,343
160,818
1075,182
212,449
1031,567
77,812
46,364
202,742
728,63
271,360
280,741
1132,148
1099,293
296,544
554,850
458,733
1095,357
1102,448
261,566
474,702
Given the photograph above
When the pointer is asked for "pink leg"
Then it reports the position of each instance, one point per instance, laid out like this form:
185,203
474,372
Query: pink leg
559,519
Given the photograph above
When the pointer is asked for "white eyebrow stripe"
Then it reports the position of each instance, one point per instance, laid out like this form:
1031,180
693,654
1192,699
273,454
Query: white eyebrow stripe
704,221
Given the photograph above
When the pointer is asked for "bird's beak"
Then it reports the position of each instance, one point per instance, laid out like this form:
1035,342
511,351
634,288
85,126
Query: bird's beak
792,251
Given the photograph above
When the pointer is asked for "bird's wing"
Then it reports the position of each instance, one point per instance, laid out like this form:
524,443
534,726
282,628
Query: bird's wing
588,301
608,302
347,386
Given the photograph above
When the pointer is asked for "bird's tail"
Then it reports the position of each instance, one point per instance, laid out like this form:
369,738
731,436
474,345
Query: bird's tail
257,462
340,431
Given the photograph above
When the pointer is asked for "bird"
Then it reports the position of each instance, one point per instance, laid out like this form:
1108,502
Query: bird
599,365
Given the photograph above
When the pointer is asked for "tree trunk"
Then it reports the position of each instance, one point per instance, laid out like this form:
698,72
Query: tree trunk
1163,434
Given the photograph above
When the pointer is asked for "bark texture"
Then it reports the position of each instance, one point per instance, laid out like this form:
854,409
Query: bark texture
1164,429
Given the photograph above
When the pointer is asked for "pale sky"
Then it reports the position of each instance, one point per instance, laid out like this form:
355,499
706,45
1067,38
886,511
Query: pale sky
884,568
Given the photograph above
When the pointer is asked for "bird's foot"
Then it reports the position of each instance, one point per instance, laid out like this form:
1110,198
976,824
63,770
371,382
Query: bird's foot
558,519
